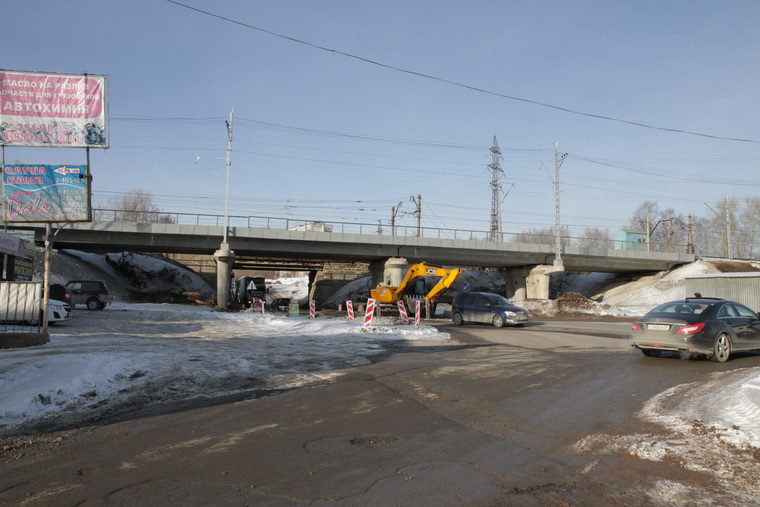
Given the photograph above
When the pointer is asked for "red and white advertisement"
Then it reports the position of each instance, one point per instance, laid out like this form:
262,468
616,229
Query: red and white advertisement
53,110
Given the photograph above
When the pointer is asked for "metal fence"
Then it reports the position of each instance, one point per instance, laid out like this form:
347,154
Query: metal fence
740,287
20,304
252,221
267,222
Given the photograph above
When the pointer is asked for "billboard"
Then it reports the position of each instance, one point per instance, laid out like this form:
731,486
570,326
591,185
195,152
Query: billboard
15,247
53,110
46,193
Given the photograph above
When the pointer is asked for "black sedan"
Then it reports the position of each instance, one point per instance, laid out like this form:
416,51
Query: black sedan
697,326
280,305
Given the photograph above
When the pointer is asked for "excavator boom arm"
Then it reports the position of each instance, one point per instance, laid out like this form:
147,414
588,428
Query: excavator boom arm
444,283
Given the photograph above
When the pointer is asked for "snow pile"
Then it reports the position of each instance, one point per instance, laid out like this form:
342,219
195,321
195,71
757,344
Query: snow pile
711,426
568,303
131,273
137,356
637,298
352,291
289,287
733,416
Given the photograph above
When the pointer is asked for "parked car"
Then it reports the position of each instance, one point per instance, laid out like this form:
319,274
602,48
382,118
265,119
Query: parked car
58,311
92,293
22,303
59,304
486,308
280,305
711,327
59,293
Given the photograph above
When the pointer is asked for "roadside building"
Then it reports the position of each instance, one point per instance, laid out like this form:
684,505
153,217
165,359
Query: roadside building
17,258
628,239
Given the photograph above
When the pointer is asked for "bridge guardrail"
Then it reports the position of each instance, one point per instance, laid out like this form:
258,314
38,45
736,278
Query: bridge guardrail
287,223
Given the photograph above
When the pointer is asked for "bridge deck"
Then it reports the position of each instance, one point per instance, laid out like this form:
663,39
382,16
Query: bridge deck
309,247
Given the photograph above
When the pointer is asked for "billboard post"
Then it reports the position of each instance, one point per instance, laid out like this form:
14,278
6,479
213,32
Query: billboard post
54,110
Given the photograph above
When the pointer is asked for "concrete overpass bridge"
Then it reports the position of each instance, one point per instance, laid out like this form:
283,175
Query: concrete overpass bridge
525,267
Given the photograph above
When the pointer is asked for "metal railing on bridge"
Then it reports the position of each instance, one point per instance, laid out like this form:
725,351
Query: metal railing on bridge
252,221
267,222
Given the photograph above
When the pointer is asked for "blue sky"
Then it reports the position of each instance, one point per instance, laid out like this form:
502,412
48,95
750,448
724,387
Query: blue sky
319,135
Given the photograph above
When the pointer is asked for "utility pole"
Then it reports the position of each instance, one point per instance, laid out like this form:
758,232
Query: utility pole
558,264
495,232
229,162
418,202
224,256
419,215
690,245
728,228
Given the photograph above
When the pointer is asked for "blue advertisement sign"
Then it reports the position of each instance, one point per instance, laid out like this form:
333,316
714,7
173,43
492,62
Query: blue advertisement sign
46,193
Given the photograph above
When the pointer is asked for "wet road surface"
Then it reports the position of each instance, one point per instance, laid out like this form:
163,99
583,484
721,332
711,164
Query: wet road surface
492,417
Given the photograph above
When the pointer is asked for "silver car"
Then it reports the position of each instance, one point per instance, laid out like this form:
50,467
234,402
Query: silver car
486,308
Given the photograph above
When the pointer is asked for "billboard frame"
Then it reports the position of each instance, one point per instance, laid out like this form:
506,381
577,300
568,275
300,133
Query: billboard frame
54,109
46,193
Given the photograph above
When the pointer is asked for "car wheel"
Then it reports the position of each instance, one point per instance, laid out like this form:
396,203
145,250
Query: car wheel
93,304
721,348
650,352
498,321
457,319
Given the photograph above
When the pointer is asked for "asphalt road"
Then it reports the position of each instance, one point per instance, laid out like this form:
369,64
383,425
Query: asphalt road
489,418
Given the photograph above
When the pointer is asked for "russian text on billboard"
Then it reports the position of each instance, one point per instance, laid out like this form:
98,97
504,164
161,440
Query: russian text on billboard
53,110
45,193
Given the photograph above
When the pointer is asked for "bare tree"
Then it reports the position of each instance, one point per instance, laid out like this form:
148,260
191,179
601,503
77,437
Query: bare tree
720,228
667,229
595,238
748,229
134,206
543,236
705,242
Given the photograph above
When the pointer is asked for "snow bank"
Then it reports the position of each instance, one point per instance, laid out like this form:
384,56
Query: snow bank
637,298
144,273
728,404
129,355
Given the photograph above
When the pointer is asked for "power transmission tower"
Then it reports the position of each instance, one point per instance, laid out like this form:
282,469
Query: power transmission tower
495,233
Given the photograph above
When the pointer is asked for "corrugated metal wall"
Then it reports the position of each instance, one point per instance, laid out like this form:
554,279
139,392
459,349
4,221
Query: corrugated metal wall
744,289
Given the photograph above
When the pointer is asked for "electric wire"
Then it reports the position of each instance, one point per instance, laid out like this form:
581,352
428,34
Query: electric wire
463,85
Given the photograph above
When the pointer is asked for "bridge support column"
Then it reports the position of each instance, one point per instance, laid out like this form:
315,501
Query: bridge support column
388,272
224,258
528,283
334,275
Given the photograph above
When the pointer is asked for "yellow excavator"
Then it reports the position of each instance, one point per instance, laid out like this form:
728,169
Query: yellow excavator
412,286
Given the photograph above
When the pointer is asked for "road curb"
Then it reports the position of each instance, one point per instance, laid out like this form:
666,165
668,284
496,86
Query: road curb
619,335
